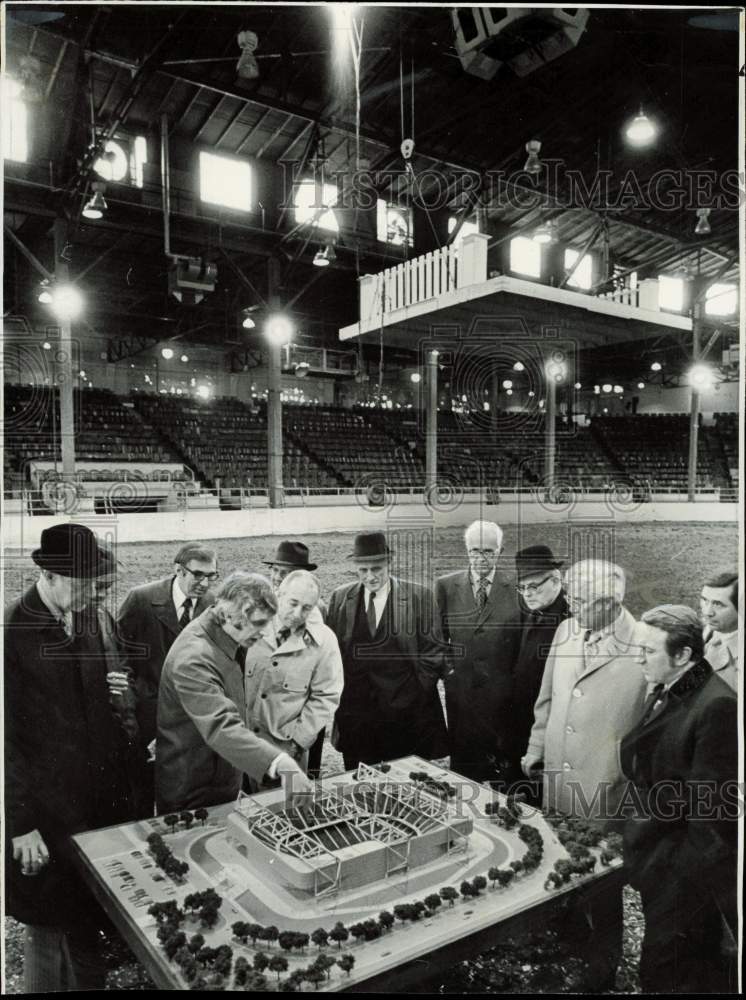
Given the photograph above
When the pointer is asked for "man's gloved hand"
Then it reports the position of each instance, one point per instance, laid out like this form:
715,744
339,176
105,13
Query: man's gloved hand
531,765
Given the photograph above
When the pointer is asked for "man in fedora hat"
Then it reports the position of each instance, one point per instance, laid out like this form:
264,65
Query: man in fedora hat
478,609
66,758
393,655
289,557
543,606
151,617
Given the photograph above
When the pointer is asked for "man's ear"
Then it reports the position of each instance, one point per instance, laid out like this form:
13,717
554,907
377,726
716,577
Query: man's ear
683,656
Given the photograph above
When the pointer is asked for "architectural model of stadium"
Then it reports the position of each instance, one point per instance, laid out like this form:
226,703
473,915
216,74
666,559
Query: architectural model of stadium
372,828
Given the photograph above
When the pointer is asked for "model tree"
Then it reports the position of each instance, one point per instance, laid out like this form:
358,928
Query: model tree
201,815
433,902
449,894
240,971
466,890
270,934
171,821
240,931
261,961
196,941
339,933
320,937
186,818
278,964
479,882
386,920
346,963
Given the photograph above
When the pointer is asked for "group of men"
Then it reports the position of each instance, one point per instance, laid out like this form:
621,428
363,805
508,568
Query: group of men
203,687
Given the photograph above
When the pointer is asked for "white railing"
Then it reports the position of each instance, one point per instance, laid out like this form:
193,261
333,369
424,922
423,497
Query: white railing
425,277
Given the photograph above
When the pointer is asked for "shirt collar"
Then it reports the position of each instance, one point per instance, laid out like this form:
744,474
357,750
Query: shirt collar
607,630
475,579
179,596
381,595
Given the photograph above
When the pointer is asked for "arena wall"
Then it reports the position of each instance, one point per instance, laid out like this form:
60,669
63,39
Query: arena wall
24,532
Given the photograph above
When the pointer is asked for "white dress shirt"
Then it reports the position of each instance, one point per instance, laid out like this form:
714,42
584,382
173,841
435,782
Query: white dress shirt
179,597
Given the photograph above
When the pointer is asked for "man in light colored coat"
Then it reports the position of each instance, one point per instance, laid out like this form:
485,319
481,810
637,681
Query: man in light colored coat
591,696
294,673
205,742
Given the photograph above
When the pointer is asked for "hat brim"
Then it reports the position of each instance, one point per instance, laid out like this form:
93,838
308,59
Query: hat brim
62,565
354,557
531,570
279,562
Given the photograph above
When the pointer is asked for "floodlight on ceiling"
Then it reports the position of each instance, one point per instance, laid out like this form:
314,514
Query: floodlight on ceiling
278,329
45,292
167,353
701,377
67,302
248,67
96,205
325,257
533,163
302,369
656,366
641,131
546,233
247,322
703,227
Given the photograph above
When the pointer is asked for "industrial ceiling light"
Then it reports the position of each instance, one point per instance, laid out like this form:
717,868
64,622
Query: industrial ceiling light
507,383
278,329
248,67
45,292
302,369
640,131
533,163
618,390
67,302
325,257
578,385
640,385
607,387
167,353
656,366
96,205
184,358
546,233
701,377
415,377
703,227
519,366
247,320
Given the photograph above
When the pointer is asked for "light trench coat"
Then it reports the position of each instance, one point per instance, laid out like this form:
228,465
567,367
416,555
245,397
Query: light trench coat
583,712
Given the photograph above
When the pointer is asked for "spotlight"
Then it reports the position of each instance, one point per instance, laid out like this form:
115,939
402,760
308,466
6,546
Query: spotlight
278,329
519,366
703,227
607,387
640,385
618,389
578,385
47,346
546,233
507,384
701,377
167,353
45,294
597,390
301,370
508,392
531,393
556,370
203,391
247,320
67,302
656,366
415,377
533,163
640,131
184,358
96,205
325,257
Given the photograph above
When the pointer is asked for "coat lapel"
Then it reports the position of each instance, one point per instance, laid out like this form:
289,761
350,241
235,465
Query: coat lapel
353,595
163,606
619,643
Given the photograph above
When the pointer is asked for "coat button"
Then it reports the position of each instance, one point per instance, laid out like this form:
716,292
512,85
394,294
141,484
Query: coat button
568,730
577,693
566,767
264,696
256,729
274,663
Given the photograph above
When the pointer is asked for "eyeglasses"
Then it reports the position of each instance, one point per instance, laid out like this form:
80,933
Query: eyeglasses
531,588
199,576
484,553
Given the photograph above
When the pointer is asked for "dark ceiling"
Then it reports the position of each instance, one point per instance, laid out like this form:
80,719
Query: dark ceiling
124,66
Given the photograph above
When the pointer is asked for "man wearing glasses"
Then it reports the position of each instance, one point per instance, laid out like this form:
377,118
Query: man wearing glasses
478,609
543,607
150,618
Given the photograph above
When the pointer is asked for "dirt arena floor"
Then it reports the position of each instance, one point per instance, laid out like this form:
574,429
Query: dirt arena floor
664,563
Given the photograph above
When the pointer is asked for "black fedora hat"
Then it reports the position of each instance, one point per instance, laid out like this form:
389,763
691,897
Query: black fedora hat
72,550
535,559
369,545
293,554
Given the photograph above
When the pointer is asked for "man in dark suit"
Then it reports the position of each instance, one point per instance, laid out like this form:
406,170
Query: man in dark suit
150,618
66,757
479,611
393,656
543,606
681,847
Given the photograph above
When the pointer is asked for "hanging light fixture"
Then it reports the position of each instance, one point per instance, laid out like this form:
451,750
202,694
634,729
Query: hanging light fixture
533,163
703,227
325,257
45,292
247,321
641,131
546,233
96,205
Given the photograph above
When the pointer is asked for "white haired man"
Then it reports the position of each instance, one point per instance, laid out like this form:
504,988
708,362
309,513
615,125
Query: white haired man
205,741
476,604
592,694
293,673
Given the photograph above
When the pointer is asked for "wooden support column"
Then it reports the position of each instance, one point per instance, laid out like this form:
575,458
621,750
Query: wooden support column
431,421
274,401
697,311
64,363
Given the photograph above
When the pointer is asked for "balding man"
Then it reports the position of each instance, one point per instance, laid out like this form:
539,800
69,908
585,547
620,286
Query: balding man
293,672
591,696
476,604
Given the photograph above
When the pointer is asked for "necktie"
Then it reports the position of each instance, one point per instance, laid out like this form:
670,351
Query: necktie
587,635
482,593
372,624
185,616
241,657
282,635
656,698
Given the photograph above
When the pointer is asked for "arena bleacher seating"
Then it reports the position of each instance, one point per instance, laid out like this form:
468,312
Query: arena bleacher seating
726,427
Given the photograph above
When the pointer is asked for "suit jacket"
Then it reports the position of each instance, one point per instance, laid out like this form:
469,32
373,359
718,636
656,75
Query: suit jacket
482,650
66,754
404,683
684,756
205,741
581,715
148,625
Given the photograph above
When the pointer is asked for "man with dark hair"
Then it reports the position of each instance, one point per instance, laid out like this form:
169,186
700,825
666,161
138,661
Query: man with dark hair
150,618
680,850
206,741
718,605
393,655
66,756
